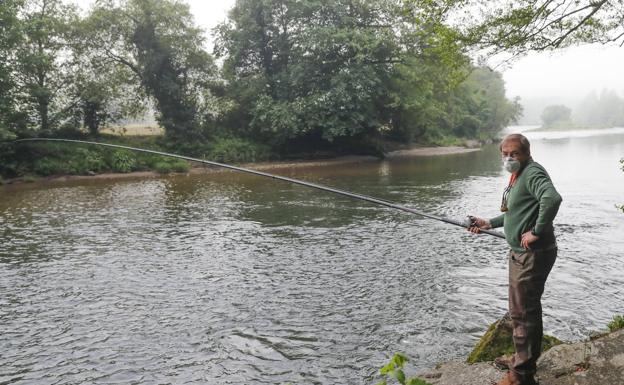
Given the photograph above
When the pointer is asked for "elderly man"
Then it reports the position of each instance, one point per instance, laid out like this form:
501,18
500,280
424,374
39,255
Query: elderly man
529,205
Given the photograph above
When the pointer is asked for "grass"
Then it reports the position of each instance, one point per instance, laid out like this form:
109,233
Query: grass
47,159
237,150
168,166
617,323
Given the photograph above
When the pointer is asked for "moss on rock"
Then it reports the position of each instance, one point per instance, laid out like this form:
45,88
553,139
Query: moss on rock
497,341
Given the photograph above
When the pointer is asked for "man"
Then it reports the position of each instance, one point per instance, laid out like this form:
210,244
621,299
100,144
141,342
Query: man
529,205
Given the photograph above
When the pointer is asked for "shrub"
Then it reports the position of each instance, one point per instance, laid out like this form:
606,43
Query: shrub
437,139
89,160
50,166
394,369
122,161
617,323
238,150
177,165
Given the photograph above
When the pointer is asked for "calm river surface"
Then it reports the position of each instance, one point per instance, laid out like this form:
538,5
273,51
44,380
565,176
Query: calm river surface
233,279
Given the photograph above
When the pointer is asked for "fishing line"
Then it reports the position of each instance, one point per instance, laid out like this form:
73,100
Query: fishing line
464,224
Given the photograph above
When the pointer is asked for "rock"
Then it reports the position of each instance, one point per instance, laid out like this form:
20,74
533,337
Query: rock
497,341
462,373
595,362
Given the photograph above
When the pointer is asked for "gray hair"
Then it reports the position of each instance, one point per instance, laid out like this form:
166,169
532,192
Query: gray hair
525,146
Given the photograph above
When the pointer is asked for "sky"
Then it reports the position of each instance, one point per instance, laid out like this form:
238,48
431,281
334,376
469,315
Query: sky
564,75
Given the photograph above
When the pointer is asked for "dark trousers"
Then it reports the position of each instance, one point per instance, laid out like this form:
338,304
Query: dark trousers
527,275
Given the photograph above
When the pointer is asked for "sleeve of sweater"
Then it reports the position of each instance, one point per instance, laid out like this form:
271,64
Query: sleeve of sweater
541,187
498,221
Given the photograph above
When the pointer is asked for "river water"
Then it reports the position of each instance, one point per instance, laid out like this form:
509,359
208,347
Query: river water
233,279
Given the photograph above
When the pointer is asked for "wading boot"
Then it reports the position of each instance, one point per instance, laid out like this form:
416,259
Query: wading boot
512,378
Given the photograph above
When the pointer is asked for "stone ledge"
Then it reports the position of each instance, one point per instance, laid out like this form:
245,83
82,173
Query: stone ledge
594,362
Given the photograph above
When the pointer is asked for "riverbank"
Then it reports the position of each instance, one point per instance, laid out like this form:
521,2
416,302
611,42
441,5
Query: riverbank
275,166
597,361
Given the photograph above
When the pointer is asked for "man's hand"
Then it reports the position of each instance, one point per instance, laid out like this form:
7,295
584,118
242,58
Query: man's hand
527,239
479,223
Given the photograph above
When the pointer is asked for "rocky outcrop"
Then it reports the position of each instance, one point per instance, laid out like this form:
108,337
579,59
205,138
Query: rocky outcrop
463,373
598,361
497,341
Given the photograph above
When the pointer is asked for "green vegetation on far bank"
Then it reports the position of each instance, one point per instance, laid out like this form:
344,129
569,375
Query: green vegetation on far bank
604,110
51,158
29,160
294,79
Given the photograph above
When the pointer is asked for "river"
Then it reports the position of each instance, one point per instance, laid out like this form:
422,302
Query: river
226,278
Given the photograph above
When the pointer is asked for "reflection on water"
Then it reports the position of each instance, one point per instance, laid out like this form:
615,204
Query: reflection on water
229,278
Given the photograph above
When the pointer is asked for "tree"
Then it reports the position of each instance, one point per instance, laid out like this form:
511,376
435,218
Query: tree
159,42
39,61
314,69
345,71
603,110
9,40
536,25
102,91
556,114
485,109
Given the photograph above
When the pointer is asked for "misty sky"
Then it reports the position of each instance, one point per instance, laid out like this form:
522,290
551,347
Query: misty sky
565,75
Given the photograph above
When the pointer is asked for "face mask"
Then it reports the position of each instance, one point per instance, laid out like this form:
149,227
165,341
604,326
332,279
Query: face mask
511,165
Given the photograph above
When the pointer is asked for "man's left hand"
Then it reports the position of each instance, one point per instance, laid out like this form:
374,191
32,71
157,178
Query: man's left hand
527,239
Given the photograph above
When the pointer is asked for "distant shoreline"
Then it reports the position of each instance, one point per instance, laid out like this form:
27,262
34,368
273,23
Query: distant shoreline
568,128
415,151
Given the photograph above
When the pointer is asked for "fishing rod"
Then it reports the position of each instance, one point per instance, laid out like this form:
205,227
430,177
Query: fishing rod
465,224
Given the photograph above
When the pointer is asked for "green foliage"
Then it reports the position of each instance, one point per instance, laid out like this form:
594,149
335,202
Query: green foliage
322,70
54,159
103,91
47,159
175,165
122,161
394,370
159,43
438,104
437,139
238,150
524,25
48,167
297,75
617,323
556,114
329,71
9,39
39,62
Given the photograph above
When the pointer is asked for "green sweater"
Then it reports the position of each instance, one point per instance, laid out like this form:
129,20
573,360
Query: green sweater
533,203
